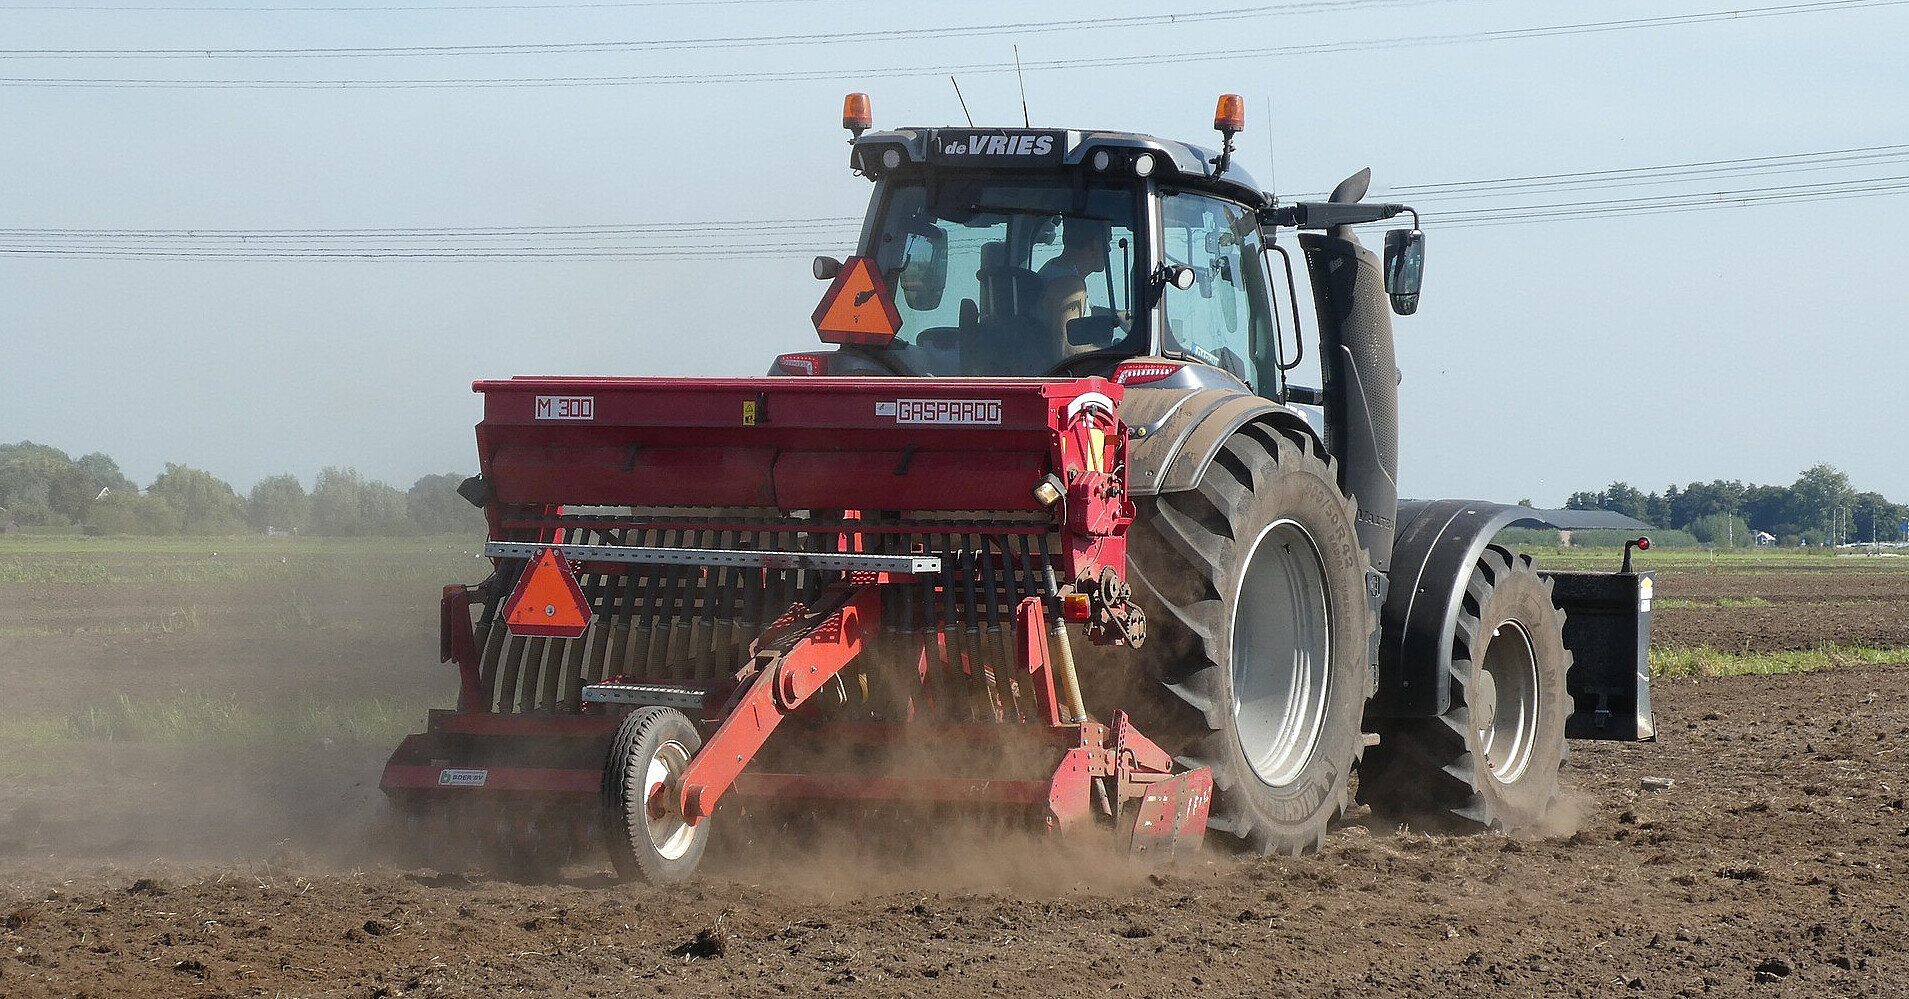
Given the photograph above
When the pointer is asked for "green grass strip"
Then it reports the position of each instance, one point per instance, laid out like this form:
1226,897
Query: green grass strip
1703,660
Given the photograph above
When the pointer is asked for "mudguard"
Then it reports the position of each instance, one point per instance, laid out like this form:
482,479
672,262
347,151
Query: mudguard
1607,625
1177,433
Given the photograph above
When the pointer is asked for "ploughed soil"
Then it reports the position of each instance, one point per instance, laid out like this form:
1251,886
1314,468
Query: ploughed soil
1759,847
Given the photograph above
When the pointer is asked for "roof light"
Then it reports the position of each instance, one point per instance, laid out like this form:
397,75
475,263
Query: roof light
1143,165
856,114
1229,115
1102,160
891,158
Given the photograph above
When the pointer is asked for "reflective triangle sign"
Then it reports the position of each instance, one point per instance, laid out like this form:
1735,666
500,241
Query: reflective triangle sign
857,308
547,602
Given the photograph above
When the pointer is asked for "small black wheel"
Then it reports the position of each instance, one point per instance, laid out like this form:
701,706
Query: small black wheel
1255,589
648,837
1491,760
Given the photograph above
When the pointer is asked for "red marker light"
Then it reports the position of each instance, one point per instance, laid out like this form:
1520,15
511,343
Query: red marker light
1142,372
1076,607
803,364
1643,544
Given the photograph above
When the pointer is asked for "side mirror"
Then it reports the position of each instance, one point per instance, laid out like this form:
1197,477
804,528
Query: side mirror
1404,268
825,268
924,268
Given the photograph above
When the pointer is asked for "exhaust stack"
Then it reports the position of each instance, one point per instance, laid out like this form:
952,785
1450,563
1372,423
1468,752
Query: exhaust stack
1359,370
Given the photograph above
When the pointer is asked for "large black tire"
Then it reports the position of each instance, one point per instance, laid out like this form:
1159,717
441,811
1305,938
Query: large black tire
1258,654
651,745
1508,662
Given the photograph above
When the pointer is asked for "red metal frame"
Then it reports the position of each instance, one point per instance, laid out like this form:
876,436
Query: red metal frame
847,445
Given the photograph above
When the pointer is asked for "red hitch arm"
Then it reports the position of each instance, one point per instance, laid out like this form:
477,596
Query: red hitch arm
791,668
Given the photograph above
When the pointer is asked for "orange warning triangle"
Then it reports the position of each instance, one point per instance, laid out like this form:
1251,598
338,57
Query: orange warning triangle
857,307
547,602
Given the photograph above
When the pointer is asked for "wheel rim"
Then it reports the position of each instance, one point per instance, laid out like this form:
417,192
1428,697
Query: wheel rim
1507,702
669,834
1282,653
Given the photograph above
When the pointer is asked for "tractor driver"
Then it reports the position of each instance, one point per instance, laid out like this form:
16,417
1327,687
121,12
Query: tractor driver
1083,250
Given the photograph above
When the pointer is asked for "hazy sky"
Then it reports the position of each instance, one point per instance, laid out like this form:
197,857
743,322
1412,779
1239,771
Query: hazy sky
1746,342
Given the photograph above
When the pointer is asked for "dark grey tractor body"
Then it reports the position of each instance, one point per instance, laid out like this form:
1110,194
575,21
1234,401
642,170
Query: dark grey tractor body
1306,622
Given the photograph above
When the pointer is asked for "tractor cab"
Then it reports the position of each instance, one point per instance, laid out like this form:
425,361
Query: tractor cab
1050,252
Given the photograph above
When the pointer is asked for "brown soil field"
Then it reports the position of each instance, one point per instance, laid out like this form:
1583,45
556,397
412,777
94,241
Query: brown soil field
1774,862
1858,605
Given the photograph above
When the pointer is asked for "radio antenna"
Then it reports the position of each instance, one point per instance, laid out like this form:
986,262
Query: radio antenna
1023,81
1272,166
963,100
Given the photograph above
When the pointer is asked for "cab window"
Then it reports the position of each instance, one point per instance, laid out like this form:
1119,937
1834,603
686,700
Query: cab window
1225,318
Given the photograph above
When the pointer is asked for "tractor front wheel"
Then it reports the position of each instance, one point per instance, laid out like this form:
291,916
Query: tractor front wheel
1491,760
648,836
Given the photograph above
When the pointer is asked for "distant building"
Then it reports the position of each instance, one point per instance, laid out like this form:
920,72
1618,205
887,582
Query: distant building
1764,539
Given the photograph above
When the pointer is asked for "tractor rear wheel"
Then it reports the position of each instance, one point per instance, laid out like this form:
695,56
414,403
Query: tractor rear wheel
1491,760
649,839
1260,636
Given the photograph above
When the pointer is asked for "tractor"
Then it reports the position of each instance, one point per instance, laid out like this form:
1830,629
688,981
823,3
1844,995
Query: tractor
1044,531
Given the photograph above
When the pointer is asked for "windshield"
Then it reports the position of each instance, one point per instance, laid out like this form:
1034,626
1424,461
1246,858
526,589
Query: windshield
997,276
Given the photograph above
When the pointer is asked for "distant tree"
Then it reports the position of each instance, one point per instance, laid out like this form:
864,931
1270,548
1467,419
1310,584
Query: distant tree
103,473
279,501
335,502
129,512
205,504
1876,519
382,510
345,504
436,507
27,475
1722,530
1703,499
1768,508
1584,501
1822,497
1623,498
1657,508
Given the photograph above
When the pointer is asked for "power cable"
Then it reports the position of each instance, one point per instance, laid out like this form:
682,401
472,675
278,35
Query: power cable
729,42
902,72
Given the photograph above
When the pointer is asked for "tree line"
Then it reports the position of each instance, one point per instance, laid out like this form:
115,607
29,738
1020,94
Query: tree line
1819,507
42,486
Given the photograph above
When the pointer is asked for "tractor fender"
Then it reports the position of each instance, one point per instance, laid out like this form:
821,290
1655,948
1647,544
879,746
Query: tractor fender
1438,545
1177,433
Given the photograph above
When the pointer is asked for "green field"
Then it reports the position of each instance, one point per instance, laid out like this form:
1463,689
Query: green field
72,558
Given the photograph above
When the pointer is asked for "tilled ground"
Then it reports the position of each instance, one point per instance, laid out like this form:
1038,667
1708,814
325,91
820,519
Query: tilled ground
1866,603
1771,864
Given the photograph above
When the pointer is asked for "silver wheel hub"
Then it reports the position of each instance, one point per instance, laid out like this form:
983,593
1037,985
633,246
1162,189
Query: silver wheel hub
1504,703
1281,653
670,834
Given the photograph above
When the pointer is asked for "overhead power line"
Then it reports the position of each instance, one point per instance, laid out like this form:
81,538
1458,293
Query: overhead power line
1017,29
382,8
755,238
899,72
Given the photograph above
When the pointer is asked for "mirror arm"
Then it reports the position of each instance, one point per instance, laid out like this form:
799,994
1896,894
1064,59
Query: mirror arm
1326,214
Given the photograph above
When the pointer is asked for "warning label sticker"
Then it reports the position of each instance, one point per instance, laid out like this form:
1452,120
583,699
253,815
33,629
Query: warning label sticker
946,412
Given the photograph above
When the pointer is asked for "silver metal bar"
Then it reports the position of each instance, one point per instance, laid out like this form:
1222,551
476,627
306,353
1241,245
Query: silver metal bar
643,694
850,561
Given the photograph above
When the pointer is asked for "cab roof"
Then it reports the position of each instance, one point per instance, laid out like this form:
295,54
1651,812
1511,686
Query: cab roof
1037,148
